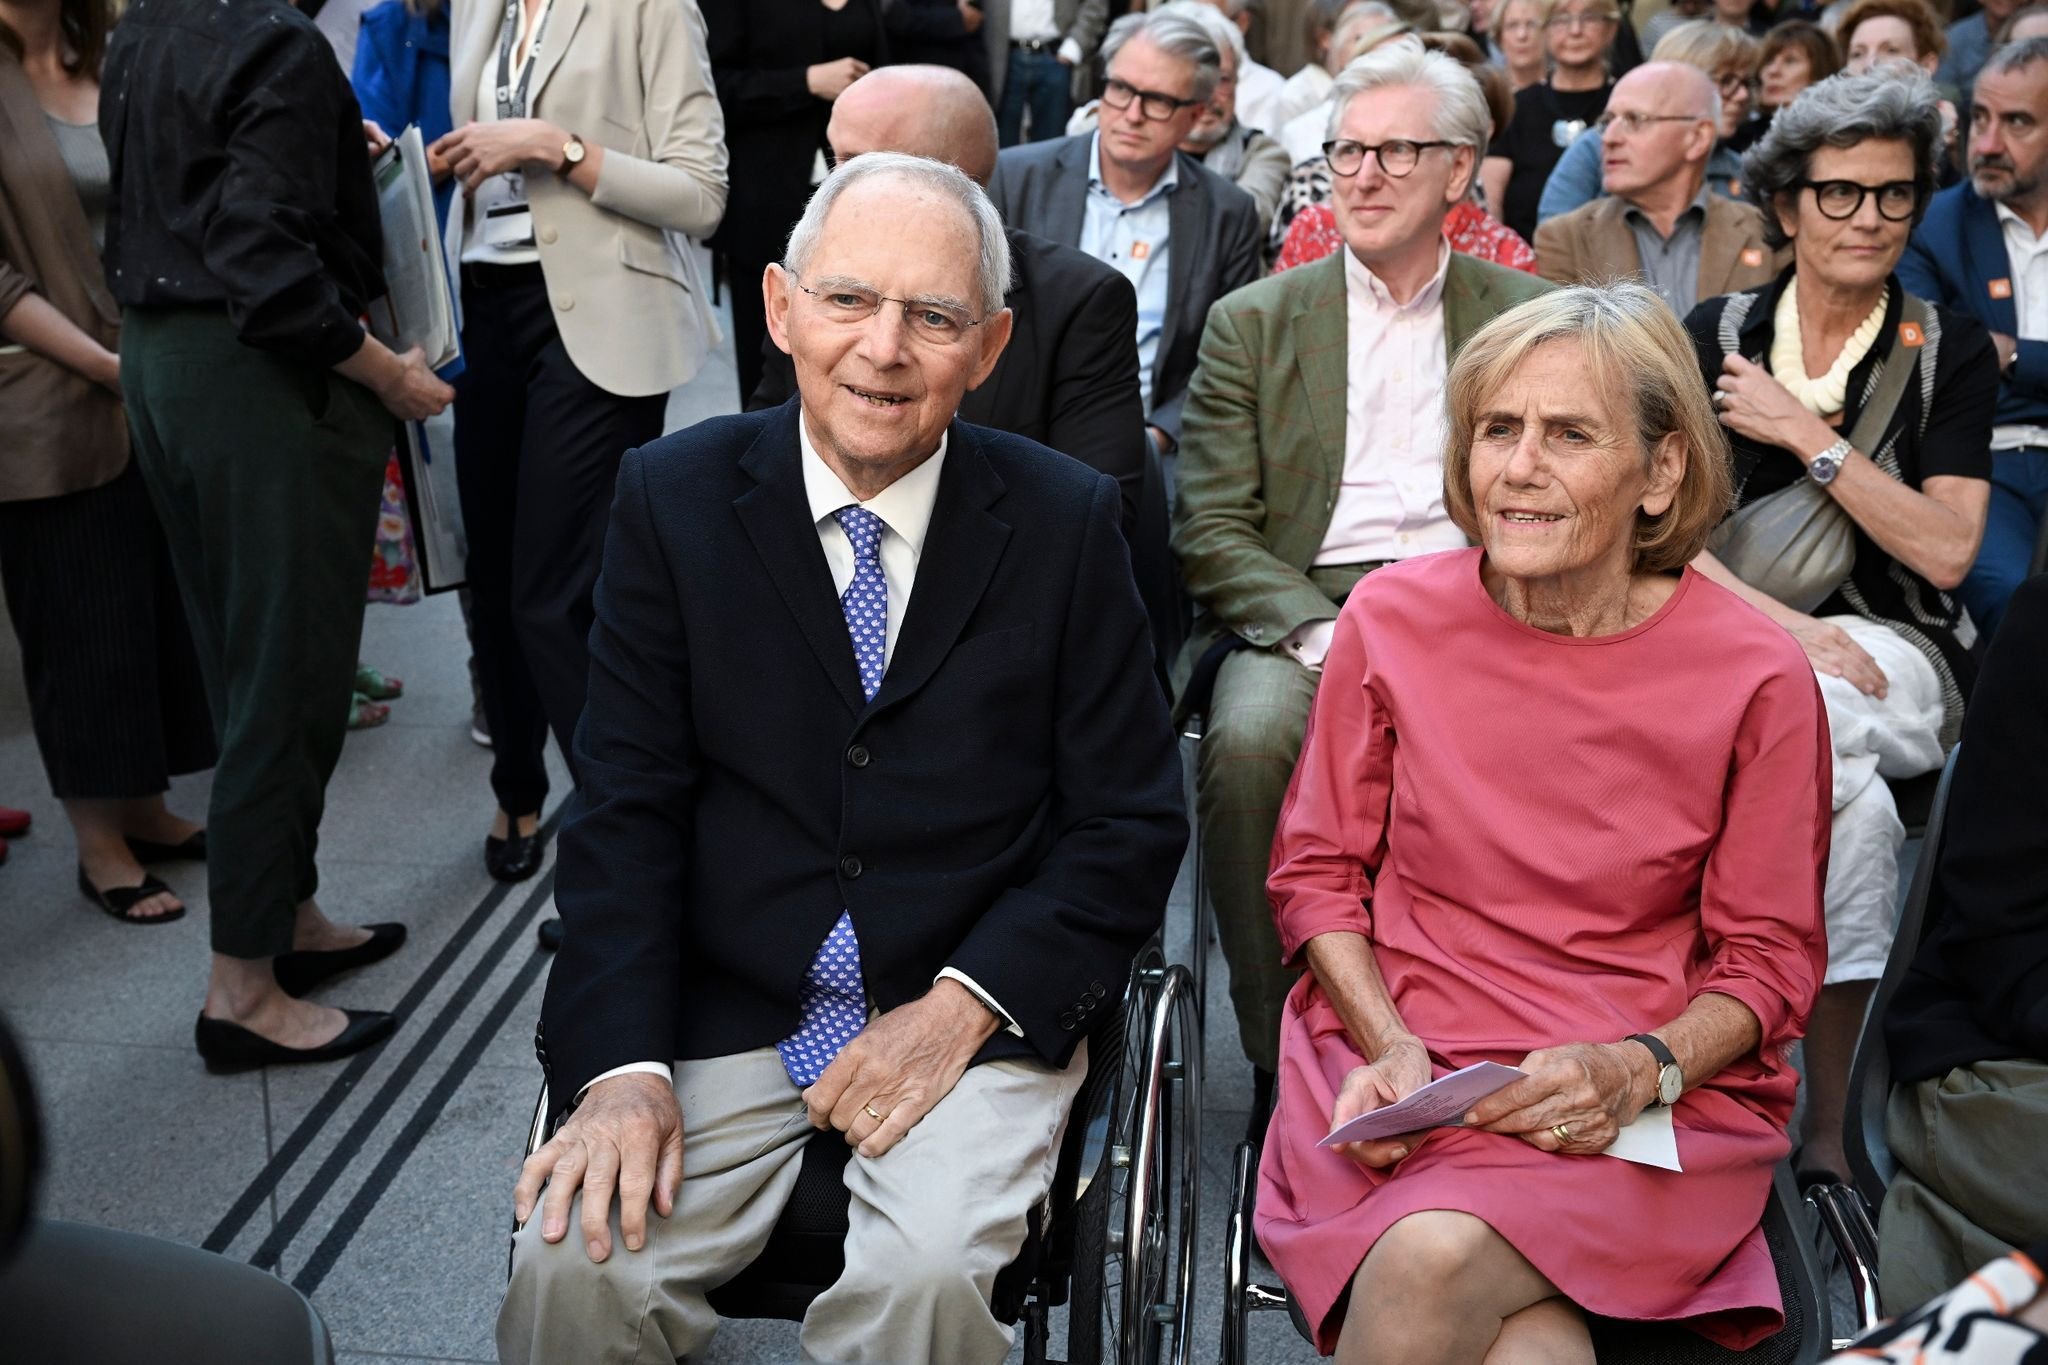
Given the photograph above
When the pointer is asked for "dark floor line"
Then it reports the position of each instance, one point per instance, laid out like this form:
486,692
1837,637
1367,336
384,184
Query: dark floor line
426,1039
252,1199
357,1213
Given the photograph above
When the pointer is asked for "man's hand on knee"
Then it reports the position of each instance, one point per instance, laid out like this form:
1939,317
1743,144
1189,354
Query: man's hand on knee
899,1067
626,1138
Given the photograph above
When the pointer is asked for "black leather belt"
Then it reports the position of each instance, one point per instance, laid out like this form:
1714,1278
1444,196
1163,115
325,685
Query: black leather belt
1035,44
479,275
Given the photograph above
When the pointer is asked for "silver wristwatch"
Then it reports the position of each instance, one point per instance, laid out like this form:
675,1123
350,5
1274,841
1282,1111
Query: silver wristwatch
1828,463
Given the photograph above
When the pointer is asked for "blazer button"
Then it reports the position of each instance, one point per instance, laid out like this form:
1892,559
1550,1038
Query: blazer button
858,755
1067,1021
564,302
1097,988
547,236
849,867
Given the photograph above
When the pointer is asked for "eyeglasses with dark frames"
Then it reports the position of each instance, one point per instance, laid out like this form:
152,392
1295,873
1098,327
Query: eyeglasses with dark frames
934,320
1155,104
1840,199
1398,156
1633,121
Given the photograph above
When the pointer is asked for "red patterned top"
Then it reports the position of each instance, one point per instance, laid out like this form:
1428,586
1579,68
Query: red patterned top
1313,235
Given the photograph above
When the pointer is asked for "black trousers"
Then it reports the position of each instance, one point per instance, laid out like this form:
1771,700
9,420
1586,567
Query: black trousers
537,450
114,691
266,474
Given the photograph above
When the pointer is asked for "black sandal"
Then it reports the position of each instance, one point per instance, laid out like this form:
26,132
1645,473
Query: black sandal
191,849
118,901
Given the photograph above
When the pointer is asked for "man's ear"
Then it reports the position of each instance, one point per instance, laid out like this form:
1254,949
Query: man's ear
995,335
777,294
1464,161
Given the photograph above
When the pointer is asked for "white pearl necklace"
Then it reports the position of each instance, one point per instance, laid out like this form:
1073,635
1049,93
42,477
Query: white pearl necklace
1827,394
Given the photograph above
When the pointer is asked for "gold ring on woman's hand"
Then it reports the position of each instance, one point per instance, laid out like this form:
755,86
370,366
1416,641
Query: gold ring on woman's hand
869,1109
1561,1132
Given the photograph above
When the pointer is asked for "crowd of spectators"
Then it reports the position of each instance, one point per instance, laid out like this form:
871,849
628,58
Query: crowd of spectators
1386,375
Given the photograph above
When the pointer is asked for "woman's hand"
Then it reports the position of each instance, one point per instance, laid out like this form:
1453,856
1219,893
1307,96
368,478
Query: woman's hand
376,138
412,392
1753,403
1834,653
828,80
1401,1070
106,371
477,151
1589,1090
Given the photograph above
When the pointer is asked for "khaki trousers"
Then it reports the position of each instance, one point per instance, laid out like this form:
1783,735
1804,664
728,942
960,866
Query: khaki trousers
931,1222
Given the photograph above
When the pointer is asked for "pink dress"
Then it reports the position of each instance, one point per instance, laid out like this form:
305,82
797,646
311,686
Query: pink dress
1552,840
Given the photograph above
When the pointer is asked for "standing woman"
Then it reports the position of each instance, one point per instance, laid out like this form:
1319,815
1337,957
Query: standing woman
586,133
113,685
243,246
1550,115
779,65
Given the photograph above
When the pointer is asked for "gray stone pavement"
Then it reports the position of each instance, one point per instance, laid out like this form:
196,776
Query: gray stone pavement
380,1185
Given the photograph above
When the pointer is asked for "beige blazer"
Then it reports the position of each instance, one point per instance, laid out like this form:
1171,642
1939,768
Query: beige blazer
1593,244
59,431
634,77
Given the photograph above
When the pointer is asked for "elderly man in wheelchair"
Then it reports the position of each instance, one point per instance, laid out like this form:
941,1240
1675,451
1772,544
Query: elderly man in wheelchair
877,800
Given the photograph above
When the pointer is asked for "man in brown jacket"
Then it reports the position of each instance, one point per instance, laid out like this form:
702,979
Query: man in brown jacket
1657,222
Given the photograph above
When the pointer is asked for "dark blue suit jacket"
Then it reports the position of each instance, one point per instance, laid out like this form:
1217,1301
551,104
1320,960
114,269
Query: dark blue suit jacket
1009,804
1957,258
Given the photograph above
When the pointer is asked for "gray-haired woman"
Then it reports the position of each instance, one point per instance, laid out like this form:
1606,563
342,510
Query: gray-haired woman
1799,370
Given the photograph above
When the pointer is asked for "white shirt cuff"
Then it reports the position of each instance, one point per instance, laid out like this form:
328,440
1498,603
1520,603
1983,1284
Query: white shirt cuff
1070,52
661,1069
955,974
1309,643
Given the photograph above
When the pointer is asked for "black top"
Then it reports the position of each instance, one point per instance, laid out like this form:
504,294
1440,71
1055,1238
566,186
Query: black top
1951,435
933,31
1545,123
240,178
1978,988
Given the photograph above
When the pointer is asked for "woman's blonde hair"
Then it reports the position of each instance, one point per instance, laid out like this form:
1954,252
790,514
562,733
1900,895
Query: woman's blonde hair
1634,351
1710,46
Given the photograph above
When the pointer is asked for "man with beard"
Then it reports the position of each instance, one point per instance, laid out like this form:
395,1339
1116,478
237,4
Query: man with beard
1983,249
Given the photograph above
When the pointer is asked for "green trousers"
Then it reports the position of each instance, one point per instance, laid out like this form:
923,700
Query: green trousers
266,474
1255,723
1971,1185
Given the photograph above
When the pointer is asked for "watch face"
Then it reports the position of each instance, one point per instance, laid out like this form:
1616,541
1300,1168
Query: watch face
1824,468
573,153
1670,1084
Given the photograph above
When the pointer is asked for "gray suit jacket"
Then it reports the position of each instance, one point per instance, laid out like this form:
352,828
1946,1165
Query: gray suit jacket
1082,20
1042,187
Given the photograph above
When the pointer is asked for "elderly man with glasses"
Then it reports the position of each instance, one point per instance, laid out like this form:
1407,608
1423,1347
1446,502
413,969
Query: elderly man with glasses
1313,455
1657,222
1125,194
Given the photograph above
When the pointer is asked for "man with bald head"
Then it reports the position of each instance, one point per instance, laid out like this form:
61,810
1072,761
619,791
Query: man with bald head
878,802
1658,223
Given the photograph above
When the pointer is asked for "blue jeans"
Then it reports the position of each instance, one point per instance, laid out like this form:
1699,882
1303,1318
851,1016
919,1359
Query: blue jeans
2019,500
1040,82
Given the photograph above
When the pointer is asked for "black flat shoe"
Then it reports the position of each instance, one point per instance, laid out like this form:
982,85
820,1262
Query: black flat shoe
230,1047
549,934
192,849
120,901
299,972
515,857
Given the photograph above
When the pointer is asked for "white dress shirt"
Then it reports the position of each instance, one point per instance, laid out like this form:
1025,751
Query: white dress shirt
1035,21
905,511
507,190
1390,503
2028,255
1257,87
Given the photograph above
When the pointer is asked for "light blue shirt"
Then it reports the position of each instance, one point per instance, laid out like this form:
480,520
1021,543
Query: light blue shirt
1133,240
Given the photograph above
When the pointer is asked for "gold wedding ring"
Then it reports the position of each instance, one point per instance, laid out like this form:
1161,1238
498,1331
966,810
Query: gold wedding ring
1561,1133
870,1111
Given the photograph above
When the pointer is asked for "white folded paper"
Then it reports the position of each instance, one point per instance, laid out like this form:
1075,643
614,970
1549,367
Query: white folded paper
1651,1140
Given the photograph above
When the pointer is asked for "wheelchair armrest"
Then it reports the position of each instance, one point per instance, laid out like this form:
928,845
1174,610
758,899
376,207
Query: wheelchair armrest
1849,1226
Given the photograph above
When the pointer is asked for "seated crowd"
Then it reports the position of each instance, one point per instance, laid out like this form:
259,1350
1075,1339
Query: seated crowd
1573,493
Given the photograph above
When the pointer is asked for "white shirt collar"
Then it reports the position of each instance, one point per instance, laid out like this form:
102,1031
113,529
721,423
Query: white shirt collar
2011,222
1169,179
1365,288
905,506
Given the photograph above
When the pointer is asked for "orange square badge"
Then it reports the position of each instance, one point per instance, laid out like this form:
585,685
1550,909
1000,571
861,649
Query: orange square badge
2000,289
1140,250
1752,256
1909,334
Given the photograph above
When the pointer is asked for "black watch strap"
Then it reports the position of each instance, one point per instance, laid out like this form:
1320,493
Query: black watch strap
1656,1046
1666,1065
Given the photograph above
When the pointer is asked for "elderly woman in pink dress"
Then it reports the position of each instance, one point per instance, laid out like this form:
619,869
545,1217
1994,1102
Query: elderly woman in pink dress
1563,805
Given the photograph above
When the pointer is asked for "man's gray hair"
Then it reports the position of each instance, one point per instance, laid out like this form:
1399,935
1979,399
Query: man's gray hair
1461,116
992,268
1177,35
1219,25
2006,60
1897,103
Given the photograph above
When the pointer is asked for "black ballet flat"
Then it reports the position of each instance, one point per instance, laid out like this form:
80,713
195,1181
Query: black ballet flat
515,857
299,972
120,901
191,849
230,1047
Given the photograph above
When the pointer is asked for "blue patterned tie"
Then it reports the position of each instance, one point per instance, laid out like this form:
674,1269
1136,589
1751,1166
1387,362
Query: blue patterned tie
832,998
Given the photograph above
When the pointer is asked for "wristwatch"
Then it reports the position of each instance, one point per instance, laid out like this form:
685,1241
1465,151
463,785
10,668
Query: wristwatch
1824,466
1670,1080
572,155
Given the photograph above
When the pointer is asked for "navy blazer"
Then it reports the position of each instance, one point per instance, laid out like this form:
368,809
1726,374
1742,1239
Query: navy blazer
1009,804
1957,258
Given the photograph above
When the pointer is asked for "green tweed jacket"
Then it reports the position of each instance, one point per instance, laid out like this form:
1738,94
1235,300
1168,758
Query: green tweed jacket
1262,442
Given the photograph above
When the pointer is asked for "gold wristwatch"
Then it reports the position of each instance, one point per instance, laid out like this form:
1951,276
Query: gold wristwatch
572,155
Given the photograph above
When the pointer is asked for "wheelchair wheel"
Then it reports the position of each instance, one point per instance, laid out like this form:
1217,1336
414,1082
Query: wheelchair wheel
1134,1258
